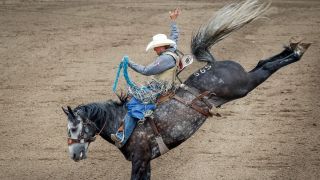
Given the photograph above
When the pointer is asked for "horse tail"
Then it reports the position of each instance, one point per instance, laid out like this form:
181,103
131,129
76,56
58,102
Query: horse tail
228,19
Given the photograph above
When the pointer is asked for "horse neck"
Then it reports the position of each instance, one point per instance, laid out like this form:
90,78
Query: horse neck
107,121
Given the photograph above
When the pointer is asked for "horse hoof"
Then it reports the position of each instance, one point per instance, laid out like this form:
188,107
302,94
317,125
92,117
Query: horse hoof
301,48
294,42
297,46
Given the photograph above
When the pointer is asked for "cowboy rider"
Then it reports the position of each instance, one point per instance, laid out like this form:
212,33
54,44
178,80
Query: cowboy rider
163,70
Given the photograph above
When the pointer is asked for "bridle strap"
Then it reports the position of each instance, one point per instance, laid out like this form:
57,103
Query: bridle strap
74,141
97,134
89,140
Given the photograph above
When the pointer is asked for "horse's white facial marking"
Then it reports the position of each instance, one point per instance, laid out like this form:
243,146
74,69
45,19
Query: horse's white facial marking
77,151
74,130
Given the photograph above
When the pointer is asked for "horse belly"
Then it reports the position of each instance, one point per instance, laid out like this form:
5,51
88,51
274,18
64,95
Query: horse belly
177,122
227,79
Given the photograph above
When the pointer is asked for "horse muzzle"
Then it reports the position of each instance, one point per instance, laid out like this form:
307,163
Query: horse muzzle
80,156
78,151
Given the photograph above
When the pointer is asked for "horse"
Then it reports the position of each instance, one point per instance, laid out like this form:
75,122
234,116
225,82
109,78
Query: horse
175,121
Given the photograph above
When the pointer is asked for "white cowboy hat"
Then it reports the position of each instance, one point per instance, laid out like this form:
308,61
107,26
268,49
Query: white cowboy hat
159,40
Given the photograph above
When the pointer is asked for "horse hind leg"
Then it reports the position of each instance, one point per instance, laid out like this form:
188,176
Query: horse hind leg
281,55
297,50
266,69
294,45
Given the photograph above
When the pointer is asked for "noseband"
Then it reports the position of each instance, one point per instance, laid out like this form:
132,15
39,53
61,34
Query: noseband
81,138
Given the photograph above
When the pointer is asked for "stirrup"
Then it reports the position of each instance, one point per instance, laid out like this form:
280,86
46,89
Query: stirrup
117,141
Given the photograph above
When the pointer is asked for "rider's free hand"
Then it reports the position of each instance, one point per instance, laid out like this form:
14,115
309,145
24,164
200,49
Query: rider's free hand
174,14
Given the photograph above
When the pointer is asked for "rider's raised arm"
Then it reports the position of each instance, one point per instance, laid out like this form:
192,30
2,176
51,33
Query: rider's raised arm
174,30
174,34
162,63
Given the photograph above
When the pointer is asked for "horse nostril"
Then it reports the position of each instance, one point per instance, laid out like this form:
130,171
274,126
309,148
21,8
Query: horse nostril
74,156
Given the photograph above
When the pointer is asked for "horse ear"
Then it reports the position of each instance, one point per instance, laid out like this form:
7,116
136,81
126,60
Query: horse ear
65,111
71,112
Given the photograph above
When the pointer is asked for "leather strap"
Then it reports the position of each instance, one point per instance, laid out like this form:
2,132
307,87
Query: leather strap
195,92
192,104
162,146
201,98
165,97
71,141
204,112
154,127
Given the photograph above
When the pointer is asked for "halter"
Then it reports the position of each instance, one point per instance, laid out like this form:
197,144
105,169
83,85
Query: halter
81,138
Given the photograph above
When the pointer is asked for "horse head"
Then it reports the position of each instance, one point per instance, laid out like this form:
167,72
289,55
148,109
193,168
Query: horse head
81,132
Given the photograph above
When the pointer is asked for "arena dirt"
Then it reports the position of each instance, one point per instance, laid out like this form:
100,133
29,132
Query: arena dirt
57,53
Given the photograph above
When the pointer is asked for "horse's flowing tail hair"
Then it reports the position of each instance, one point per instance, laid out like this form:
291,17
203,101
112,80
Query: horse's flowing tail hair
228,19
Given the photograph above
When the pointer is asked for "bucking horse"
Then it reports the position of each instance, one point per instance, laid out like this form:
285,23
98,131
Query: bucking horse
176,120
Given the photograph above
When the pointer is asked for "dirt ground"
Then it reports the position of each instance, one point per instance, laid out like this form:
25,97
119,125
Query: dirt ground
55,53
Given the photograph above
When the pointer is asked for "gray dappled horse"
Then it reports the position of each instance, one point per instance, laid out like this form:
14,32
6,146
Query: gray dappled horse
175,121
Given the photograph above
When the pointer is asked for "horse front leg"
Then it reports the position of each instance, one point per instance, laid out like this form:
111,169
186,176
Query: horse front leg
141,156
141,170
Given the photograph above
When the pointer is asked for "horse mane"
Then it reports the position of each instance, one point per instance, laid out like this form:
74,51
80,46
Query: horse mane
123,97
99,111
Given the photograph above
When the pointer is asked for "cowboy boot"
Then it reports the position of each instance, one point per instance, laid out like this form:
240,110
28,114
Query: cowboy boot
117,137
120,138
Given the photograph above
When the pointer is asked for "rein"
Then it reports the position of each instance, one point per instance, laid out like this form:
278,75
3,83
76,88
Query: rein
104,125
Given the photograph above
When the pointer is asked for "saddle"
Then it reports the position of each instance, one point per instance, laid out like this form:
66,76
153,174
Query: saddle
201,97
